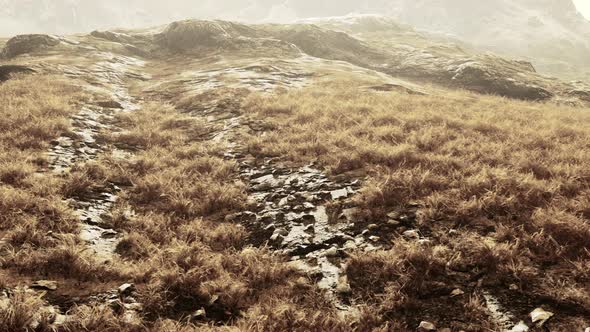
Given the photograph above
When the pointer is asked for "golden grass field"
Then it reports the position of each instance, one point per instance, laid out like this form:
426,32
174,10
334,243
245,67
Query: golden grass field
502,189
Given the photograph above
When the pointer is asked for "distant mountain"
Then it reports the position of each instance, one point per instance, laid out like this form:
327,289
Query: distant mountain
550,33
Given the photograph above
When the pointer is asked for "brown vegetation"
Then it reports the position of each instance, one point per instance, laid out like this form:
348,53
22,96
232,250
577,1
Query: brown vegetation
502,187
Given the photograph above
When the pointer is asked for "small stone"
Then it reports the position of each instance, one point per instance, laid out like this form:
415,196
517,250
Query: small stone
457,292
513,287
446,329
49,285
109,233
587,329
374,238
308,206
393,222
337,194
520,327
412,234
276,237
343,288
270,227
332,252
372,227
426,326
199,315
126,289
540,316
393,215
350,245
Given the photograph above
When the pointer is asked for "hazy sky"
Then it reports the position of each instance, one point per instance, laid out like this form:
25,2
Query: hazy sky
69,16
583,7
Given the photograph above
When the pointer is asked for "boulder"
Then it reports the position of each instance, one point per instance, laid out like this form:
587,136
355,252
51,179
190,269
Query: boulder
28,43
7,71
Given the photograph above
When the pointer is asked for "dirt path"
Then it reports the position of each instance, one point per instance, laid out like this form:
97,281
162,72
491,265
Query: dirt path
108,77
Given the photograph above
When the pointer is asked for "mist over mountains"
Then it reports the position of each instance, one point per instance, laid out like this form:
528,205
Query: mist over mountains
551,33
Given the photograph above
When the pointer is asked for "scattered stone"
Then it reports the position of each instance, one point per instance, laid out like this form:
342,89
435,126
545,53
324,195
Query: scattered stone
45,285
412,234
126,289
393,215
446,329
277,238
109,104
426,326
350,245
199,315
513,287
374,238
343,287
372,227
457,292
393,222
332,252
520,327
109,233
340,193
270,227
540,316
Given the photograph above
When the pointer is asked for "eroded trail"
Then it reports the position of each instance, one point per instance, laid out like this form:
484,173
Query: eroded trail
297,210
107,77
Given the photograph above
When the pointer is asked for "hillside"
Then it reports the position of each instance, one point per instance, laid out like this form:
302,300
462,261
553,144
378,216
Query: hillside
340,174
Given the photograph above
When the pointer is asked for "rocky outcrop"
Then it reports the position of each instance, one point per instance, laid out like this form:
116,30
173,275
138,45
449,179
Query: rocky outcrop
8,70
325,43
113,36
27,44
196,35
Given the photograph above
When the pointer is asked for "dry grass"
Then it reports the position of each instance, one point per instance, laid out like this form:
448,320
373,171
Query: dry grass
184,256
511,178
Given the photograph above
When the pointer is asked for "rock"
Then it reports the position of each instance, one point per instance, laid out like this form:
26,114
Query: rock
513,287
332,252
446,329
126,289
112,36
520,327
350,245
277,238
109,233
426,326
199,315
393,215
457,292
7,71
393,222
587,329
28,43
109,104
308,206
340,193
540,316
270,227
343,287
372,227
412,234
374,238
45,285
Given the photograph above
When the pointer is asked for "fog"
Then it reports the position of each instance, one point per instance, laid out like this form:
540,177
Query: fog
70,16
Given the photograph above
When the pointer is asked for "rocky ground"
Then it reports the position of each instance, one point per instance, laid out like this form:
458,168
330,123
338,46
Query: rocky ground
299,211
